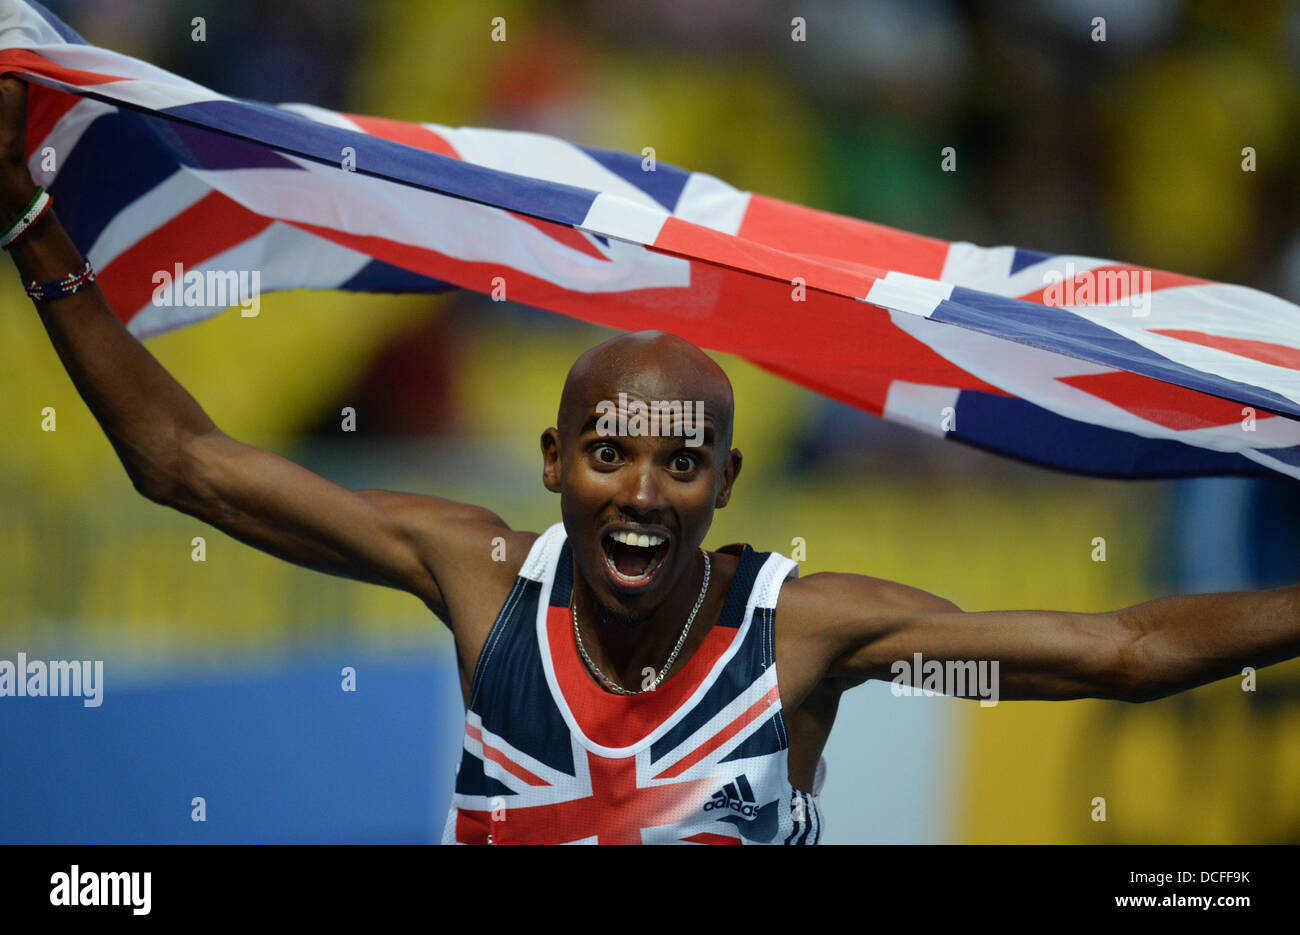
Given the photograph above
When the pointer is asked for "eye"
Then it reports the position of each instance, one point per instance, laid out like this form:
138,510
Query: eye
683,462
606,454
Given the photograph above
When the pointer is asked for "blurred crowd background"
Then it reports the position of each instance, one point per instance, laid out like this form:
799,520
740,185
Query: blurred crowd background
223,676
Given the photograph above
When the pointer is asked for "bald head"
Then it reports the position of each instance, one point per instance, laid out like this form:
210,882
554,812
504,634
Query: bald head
650,365
642,444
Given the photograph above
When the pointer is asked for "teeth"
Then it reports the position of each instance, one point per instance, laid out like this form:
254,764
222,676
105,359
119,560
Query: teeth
641,541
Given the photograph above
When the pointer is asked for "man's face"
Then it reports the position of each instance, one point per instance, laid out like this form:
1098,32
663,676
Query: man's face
637,505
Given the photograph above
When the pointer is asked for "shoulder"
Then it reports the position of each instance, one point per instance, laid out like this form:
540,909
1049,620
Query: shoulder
827,598
465,547
821,617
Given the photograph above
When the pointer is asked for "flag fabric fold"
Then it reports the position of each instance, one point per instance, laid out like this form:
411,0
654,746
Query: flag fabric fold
1073,362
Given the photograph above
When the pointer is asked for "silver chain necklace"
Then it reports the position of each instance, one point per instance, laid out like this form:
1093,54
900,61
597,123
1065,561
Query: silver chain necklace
681,640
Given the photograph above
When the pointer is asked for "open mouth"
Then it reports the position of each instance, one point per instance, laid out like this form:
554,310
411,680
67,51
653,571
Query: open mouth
633,558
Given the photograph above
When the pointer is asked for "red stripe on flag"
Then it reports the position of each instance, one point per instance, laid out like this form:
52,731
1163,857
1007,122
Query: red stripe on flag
684,239
1263,351
25,60
820,234
722,736
1108,285
45,108
573,239
408,134
208,227
1174,407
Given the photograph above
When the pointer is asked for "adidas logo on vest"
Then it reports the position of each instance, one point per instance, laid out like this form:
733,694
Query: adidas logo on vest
736,797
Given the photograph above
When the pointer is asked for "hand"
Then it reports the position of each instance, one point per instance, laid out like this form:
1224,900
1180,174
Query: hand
16,185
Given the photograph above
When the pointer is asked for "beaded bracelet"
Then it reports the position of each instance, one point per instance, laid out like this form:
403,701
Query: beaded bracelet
58,288
35,211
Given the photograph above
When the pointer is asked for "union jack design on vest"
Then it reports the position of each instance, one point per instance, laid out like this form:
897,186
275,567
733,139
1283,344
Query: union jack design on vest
551,758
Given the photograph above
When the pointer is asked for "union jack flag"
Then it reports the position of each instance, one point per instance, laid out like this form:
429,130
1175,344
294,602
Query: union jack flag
1068,361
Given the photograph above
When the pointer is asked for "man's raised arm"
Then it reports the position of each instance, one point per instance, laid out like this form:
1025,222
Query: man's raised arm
859,627
175,455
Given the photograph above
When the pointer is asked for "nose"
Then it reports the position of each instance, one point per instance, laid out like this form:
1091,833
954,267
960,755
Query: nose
642,493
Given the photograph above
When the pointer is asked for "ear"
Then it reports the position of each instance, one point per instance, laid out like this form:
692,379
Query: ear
730,471
551,459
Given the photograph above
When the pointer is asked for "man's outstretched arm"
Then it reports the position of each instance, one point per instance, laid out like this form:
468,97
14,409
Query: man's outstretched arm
860,627
176,456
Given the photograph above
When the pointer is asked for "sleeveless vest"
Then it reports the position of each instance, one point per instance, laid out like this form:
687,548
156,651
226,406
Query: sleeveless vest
550,757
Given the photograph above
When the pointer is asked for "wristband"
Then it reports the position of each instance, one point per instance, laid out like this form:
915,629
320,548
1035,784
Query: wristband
58,288
35,210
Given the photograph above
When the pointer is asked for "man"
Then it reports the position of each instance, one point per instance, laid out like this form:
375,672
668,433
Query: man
621,683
